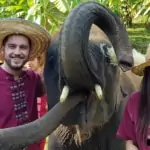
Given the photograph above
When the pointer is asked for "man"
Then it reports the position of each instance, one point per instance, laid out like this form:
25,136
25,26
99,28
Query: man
20,41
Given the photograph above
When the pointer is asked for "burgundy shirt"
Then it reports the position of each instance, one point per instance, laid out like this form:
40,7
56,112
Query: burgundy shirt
18,99
128,127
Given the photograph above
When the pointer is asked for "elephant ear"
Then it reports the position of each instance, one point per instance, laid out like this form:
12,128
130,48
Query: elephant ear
51,73
123,47
126,87
75,36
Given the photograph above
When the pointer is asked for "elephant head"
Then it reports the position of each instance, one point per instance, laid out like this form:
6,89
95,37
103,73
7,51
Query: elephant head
92,64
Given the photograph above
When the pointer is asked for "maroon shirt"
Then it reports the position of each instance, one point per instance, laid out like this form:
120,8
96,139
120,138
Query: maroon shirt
128,127
18,99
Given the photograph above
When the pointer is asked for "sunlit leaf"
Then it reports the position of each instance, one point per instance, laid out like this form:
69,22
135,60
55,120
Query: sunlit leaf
2,2
30,3
139,12
22,2
15,7
32,10
147,11
61,5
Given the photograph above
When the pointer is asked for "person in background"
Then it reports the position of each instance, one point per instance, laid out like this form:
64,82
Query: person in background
37,65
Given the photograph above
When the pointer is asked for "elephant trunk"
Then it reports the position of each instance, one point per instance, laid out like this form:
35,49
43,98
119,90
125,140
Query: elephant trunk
21,136
74,42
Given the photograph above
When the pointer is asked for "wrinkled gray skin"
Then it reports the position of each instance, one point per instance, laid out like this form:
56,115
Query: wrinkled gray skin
21,136
64,137
80,64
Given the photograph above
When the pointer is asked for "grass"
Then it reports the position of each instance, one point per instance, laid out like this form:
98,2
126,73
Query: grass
139,36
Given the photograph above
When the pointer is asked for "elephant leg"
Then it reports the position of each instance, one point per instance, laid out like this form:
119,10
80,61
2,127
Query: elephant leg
110,129
62,139
105,138
53,143
102,138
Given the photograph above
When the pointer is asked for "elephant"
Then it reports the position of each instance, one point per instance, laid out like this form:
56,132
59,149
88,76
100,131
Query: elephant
76,132
64,137
91,49
83,84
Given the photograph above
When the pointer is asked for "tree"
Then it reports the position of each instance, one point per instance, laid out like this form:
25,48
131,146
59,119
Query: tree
42,12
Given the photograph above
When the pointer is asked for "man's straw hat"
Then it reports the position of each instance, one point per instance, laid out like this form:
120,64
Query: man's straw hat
40,37
139,69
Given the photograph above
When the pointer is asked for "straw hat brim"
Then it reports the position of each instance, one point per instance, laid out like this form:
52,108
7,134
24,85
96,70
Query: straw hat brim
38,35
139,70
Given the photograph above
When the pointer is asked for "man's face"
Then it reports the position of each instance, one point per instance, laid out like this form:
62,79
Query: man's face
16,51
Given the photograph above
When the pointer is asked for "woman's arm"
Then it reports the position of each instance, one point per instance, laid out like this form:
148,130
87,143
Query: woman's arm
130,145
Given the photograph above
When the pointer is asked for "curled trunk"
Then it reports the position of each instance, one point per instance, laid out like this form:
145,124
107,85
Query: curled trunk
74,42
21,136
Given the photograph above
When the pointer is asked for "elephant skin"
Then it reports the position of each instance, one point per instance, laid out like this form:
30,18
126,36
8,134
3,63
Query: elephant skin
63,138
21,136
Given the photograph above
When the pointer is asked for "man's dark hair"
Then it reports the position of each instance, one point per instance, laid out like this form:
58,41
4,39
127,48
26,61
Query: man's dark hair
144,105
7,37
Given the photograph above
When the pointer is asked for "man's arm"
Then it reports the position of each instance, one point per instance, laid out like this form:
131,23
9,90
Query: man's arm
40,89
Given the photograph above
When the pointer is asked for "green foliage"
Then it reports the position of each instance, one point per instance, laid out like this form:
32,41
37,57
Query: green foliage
143,8
41,11
139,36
52,13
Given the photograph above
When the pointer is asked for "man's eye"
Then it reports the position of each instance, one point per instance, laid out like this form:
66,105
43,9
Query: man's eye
24,47
12,46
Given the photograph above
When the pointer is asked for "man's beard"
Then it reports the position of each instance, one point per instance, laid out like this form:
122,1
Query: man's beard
15,68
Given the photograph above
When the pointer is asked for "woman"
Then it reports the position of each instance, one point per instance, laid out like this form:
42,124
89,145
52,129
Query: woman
135,125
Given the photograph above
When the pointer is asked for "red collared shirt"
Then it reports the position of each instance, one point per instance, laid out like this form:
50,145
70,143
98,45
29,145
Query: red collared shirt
18,98
128,129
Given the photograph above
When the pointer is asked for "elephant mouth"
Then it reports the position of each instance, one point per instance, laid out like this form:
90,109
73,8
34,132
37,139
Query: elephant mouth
89,109
80,135
83,130
95,113
66,90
